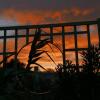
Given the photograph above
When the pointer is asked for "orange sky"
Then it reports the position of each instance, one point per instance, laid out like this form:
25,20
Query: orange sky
45,16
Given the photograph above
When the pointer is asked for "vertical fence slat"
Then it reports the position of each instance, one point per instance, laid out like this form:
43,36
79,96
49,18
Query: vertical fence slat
39,30
4,48
27,36
51,34
63,46
76,46
99,30
16,46
88,36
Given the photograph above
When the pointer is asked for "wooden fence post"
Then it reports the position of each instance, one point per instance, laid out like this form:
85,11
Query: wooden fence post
98,22
4,49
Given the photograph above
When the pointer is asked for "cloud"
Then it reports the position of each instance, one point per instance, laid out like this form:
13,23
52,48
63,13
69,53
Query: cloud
81,12
48,4
45,16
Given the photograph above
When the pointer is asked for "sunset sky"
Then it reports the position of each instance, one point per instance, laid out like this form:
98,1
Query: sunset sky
17,12
28,12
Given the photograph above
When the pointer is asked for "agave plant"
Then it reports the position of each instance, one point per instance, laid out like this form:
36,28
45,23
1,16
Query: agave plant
35,52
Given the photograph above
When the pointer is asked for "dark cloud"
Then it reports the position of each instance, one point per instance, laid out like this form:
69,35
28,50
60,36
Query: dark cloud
48,4
49,11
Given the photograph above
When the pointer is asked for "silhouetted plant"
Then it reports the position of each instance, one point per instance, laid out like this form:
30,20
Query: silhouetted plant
91,59
9,76
69,67
35,52
12,62
66,80
15,81
91,66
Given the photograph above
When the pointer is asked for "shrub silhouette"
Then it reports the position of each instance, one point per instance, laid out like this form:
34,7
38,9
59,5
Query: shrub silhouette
91,59
81,85
66,75
10,77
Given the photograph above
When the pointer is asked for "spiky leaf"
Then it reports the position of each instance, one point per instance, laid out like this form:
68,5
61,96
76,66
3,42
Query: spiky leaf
40,66
34,60
42,43
37,54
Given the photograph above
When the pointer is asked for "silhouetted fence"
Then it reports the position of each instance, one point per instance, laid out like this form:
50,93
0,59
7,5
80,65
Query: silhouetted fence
15,33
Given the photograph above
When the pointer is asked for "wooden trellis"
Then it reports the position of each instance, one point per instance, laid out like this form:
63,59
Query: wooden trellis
51,27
